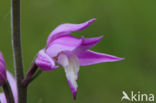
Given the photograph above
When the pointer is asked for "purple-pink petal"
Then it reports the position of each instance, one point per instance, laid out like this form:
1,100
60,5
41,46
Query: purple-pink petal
71,67
63,43
86,44
73,89
2,98
89,58
13,85
67,28
45,62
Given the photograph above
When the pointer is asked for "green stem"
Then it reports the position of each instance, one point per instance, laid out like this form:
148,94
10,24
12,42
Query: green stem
17,52
30,75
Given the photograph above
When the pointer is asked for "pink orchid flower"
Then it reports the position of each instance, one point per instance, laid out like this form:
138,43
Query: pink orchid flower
7,75
71,52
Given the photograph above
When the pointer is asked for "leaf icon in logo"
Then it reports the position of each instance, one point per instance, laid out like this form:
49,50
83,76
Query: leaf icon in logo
125,96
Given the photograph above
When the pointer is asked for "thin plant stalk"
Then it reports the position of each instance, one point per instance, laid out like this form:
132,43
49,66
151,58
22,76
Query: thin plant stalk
17,50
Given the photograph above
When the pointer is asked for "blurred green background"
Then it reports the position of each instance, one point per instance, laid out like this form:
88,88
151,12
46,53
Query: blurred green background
129,29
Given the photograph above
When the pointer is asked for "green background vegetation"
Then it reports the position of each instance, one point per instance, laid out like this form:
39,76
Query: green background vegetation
129,29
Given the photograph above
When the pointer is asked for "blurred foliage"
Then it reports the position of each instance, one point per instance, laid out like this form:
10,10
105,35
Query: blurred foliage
129,31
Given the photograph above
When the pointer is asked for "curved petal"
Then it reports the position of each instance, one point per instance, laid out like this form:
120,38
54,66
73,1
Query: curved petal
89,57
86,44
2,98
63,43
71,67
67,29
45,62
2,70
13,85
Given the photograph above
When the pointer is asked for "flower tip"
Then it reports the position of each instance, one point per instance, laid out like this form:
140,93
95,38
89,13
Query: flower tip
121,58
74,95
101,37
91,20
